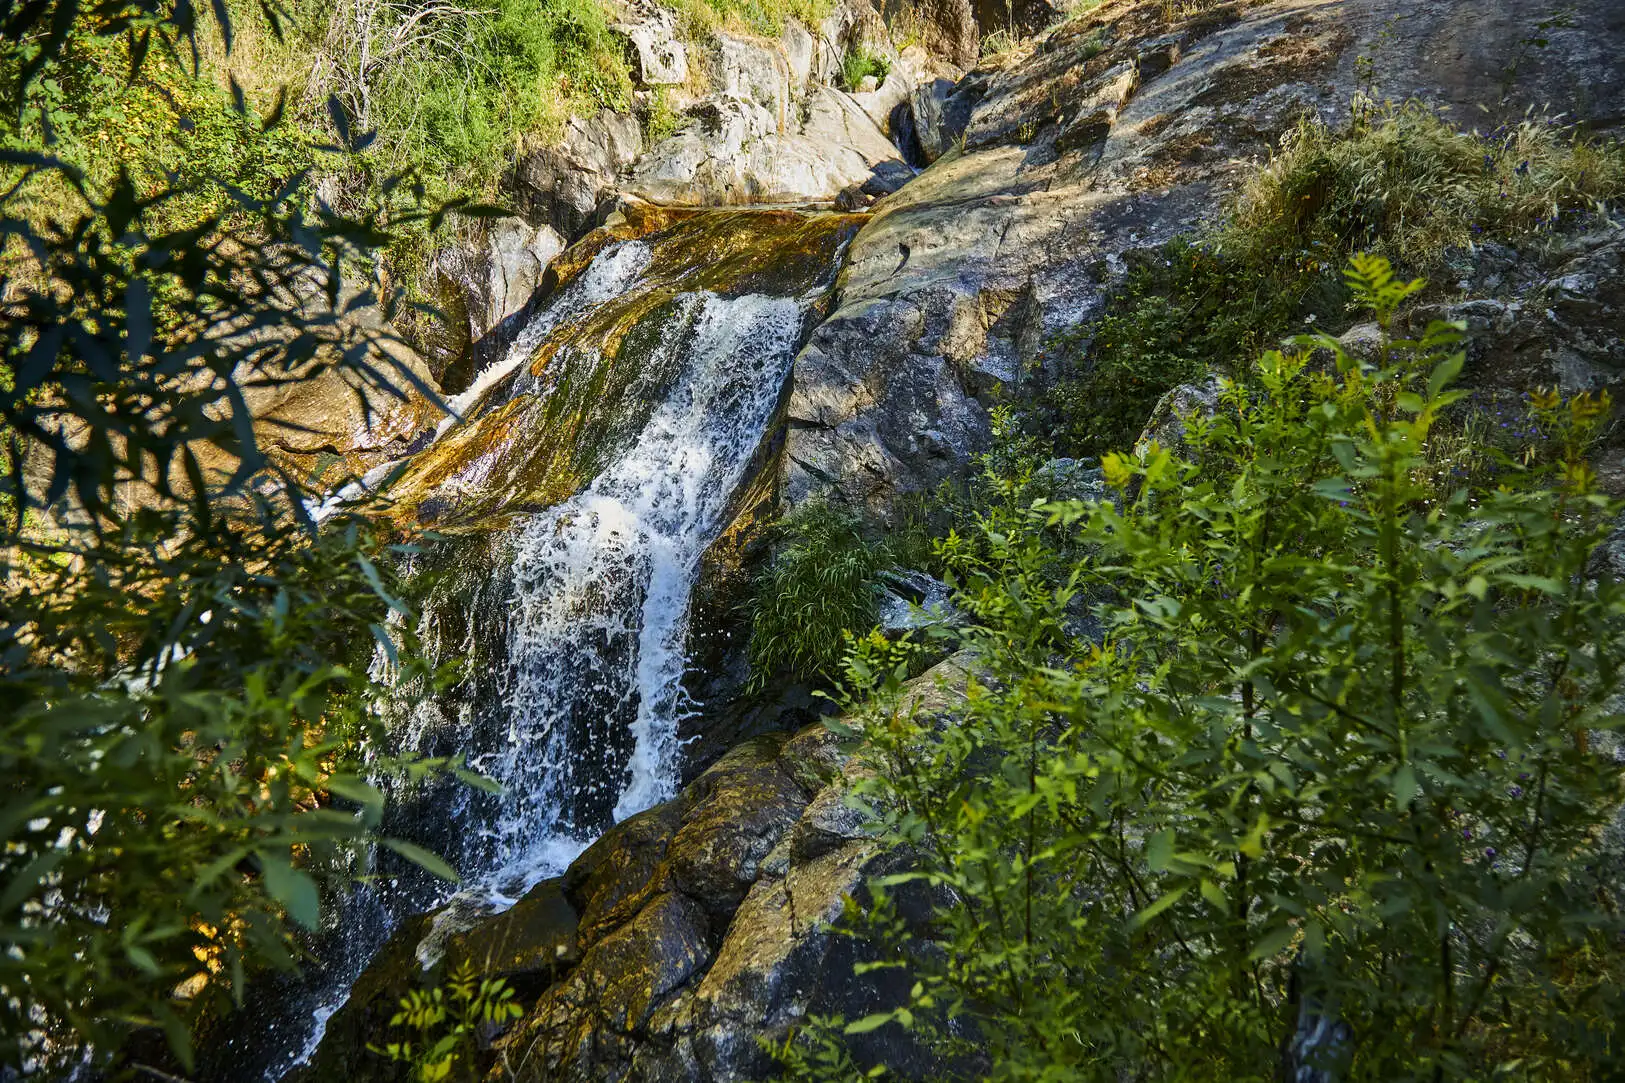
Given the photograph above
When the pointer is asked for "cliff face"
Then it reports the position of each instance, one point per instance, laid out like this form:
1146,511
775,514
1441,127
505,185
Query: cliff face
1112,134
1019,192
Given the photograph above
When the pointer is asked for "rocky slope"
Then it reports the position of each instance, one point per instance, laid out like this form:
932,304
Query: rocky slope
1111,134
681,936
1047,166
693,929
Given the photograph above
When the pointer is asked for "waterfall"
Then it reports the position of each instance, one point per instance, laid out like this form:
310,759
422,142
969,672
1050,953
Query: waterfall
602,583
666,368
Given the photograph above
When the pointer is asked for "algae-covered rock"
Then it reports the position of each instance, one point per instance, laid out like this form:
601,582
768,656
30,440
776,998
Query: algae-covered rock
738,810
545,418
613,878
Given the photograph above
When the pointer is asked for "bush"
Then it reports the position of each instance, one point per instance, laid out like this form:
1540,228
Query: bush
819,587
1174,313
1323,794
443,1025
767,18
166,122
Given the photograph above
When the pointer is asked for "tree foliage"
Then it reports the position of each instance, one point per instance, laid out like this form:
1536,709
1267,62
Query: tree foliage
1328,792
184,688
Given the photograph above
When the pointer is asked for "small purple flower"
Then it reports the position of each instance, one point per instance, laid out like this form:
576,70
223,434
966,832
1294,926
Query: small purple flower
1489,852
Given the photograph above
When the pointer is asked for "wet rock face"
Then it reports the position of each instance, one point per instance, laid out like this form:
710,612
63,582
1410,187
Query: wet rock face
528,946
1113,132
683,935
543,432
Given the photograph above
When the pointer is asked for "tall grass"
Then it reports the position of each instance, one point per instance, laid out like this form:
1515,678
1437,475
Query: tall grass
1403,181
819,586
470,86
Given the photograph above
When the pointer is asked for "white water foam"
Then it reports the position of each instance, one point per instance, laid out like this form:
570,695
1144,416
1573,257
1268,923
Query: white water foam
603,580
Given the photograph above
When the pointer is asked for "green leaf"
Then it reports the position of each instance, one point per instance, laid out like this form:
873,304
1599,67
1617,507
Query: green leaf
1272,943
1159,850
1149,913
293,888
1405,785
423,859
869,1022
23,884
386,641
477,780
1333,489
351,788
1544,584
142,959
1444,374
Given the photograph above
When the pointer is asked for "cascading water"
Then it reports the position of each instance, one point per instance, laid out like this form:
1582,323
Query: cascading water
664,362
602,583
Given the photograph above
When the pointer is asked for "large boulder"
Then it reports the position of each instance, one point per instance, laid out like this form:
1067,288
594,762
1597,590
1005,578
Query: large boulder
564,184
661,58
329,425
764,136
497,269
1114,132
528,946
947,28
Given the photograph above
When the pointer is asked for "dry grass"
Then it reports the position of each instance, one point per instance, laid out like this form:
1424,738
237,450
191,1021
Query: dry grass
1404,182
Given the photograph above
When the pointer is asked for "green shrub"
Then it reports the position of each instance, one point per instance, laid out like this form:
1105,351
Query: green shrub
184,683
660,120
1174,314
701,18
165,122
1322,792
819,586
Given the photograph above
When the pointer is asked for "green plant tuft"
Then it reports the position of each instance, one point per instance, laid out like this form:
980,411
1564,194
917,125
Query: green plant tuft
859,63
1402,181
819,587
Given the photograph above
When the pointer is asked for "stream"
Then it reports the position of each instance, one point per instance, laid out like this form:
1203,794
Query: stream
576,494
